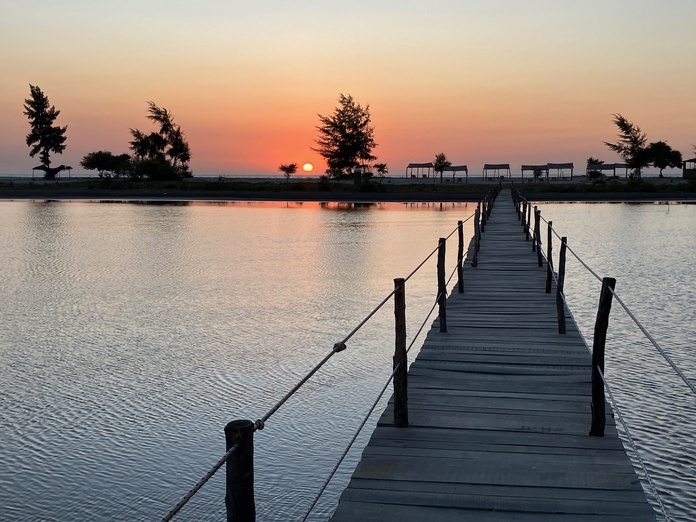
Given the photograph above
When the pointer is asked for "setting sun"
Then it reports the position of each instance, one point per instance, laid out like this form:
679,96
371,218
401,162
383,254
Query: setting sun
307,167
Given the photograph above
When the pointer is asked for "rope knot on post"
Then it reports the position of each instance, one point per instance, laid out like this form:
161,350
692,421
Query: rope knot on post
339,347
259,425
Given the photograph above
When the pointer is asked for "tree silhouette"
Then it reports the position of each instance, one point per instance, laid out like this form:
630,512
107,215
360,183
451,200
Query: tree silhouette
164,153
106,164
631,145
345,138
288,170
44,137
663,156
441,163
382,170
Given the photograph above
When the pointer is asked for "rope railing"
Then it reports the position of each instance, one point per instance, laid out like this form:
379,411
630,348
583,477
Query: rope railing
635,320
634,448
350,444
199,484
338,347
368,415
599,382
664,354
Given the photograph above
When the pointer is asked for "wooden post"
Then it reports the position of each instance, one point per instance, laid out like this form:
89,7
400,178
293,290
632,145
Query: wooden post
560,309
483,216
441,284
460,257
477,238
534,230
239,494
529,220
600,339
549,260
400,376
524,216
537,236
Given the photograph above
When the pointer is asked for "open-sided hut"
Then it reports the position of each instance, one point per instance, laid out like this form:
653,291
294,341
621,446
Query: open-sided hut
458,168
419,168
532,168
559,168
496,168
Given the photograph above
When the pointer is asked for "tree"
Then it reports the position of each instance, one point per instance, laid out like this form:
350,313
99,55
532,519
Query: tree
631,145
346,138
288,170
164,153
594,161
663,156
382,170
44,137
106,163
441,163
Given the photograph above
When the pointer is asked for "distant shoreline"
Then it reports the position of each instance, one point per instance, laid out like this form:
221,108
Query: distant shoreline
103,190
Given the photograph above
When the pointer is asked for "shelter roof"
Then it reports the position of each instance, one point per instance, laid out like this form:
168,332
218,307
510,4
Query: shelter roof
428,165
496,166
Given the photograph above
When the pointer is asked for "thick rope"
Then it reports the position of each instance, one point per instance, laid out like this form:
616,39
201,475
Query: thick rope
667,358
350,445
650,338
634,448
369,414
260,424
199,484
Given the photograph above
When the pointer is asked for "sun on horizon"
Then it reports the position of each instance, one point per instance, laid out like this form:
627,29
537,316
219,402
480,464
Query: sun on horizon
308,167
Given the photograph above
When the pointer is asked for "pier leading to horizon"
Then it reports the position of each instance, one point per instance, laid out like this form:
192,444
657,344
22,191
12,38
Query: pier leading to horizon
499,410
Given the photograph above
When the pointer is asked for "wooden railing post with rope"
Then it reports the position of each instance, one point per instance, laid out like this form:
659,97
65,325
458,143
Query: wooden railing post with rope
441,284
239,494
598,345
400,366
560,309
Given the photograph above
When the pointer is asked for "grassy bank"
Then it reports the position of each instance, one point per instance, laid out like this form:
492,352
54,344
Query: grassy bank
227,189
235,189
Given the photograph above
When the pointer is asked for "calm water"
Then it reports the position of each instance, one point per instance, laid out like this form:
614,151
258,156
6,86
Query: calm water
133,333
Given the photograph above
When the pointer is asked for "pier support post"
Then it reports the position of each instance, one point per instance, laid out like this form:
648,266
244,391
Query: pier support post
441,284
484,213
400,361
534,235
537,236
529,220
549,260
600,339
560,310
524,216
239,493
460,258
477,237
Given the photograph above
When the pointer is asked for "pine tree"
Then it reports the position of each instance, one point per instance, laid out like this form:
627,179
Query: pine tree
44,137
346,138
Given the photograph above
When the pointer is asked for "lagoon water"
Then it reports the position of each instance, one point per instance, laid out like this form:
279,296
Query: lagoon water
133,332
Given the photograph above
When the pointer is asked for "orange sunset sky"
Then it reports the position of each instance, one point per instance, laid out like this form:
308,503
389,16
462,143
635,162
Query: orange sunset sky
497,81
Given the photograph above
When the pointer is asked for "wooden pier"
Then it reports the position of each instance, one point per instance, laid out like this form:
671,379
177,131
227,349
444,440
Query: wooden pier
499,411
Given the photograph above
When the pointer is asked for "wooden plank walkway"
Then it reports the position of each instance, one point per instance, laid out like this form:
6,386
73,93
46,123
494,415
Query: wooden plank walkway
499,411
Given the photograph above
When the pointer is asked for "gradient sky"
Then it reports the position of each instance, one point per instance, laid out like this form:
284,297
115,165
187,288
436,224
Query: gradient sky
497,81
